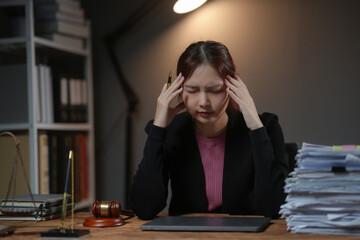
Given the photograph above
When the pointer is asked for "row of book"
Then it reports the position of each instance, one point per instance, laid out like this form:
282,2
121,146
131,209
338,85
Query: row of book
324,191
60,99
71,98
57,98
53,159
62,21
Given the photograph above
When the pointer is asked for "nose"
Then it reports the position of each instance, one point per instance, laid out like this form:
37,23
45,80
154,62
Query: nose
204,100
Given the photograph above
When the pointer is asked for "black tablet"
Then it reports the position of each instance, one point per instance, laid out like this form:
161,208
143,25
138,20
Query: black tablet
208,224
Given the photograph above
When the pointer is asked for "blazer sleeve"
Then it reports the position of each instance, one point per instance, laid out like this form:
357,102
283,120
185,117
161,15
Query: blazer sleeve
270,164
149,191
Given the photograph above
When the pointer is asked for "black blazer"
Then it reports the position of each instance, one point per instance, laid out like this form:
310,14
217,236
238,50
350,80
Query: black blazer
253,177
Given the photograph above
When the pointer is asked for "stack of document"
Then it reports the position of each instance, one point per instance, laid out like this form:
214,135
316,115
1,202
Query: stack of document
324,191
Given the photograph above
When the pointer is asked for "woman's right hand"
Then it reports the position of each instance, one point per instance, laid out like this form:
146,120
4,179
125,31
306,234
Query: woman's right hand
164,112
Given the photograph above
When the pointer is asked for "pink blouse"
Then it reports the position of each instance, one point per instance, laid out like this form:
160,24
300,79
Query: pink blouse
212,151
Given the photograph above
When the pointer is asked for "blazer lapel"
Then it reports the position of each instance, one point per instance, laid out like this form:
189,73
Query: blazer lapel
236,149
196,171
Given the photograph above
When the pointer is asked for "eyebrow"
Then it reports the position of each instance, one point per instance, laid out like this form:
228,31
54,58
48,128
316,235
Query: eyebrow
208,87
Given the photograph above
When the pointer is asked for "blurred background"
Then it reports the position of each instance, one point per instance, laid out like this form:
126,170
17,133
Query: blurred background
299,59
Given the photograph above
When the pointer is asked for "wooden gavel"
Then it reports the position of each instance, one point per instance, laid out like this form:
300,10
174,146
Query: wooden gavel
107,214
106,209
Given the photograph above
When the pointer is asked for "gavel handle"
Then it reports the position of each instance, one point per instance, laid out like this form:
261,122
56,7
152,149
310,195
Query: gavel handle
129,213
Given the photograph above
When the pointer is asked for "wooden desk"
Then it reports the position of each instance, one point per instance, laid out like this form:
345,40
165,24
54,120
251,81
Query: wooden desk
131,230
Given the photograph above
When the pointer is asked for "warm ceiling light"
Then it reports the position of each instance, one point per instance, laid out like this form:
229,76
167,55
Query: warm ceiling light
184,6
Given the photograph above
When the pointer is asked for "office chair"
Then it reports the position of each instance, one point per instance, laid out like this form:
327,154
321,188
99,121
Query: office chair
291,151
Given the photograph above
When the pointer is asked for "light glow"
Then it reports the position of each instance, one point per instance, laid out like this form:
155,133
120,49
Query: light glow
184,6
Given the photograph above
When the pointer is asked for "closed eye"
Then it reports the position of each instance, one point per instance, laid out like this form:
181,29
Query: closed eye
191,89
217,89
211,89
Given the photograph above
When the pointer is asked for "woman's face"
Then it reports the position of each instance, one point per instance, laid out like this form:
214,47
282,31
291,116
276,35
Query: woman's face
205,95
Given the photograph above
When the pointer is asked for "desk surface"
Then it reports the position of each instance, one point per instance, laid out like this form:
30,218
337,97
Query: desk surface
131,230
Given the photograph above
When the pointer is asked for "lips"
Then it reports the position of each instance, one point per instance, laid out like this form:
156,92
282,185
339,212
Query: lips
205,114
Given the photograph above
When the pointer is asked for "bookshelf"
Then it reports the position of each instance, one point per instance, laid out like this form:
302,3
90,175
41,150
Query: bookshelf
22,110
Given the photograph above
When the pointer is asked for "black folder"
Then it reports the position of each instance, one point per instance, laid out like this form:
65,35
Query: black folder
208,224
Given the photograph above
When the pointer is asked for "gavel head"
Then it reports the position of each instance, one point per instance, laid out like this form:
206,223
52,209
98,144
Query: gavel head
107,209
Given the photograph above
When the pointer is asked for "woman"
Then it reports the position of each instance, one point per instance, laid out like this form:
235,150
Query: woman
220,154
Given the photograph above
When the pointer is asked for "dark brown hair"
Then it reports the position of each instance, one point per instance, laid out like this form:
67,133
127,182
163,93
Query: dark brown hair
214,53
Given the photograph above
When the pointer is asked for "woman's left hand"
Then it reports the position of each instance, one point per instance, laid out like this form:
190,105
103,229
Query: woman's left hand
243,101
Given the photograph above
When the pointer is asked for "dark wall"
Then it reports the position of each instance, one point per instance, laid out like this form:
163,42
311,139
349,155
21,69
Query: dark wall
299,59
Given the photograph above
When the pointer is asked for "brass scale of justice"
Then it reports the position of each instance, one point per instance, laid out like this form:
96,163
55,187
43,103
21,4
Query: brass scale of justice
106,213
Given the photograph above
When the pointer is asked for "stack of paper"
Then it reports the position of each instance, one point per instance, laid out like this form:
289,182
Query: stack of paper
324,191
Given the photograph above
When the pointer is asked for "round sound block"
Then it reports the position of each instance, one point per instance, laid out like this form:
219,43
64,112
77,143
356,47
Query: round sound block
103,222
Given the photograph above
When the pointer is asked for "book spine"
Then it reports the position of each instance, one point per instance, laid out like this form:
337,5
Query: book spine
78,167
84,100
70,100
43,95
62,163
49,95
53,163
64,100
84,167
43,164
61,99
76,107
37,100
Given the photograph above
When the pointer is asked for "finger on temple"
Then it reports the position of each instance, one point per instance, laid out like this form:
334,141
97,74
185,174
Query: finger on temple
233,81
241,81
178,76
